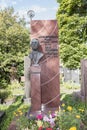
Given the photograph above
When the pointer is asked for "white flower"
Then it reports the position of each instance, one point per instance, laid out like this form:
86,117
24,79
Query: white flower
52,121
45,118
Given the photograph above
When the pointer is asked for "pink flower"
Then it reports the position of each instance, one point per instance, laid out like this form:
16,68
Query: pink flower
39,117
53,115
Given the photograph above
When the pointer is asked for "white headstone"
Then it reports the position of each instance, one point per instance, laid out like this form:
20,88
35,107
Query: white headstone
27,76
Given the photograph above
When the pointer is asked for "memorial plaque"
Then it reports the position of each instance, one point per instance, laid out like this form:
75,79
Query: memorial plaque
46,31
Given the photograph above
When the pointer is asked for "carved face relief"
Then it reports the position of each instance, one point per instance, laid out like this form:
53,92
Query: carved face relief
34,44
35,55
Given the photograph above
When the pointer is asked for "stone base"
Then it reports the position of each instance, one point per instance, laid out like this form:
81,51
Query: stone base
27,100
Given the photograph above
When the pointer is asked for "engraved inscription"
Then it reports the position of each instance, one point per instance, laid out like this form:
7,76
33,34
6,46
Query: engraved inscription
51,44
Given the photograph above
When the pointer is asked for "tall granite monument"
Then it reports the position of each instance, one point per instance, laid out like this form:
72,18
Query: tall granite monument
44,72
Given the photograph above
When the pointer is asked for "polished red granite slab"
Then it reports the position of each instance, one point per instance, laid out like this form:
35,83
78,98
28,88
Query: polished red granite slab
35,88
46,31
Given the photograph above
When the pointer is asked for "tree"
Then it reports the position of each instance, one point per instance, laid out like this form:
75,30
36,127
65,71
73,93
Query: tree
59,1
72,19
14,43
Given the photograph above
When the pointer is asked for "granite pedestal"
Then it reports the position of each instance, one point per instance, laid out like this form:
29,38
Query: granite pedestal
35,71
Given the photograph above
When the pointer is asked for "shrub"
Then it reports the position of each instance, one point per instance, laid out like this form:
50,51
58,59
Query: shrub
71,85
9,110
4,94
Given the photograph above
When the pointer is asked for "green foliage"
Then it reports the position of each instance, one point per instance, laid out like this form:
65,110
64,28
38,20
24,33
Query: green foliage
16,89
14,43
71,7
68,116
72,114
22,123
3,83
9,115
72,19
20,69
71,85
4,94
84,117
59,1
74,101
14,85
67,119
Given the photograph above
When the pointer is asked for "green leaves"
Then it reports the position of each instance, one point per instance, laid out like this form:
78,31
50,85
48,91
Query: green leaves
71,6
14,41
72,32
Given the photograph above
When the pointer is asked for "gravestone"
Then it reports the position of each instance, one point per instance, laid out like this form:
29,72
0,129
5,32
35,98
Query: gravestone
46,31
71,75
84,79
27,78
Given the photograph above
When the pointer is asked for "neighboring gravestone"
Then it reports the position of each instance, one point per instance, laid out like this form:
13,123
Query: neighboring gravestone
27,78
71,75
46,31
84,79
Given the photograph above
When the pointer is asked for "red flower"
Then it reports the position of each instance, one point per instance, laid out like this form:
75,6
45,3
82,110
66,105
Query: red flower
49,129
40,128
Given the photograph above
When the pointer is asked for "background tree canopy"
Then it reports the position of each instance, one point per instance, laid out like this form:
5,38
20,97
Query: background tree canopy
14,43
59,1
72,19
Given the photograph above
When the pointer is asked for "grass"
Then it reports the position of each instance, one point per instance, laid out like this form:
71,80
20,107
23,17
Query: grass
16,89
67,95
69,88
9,112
